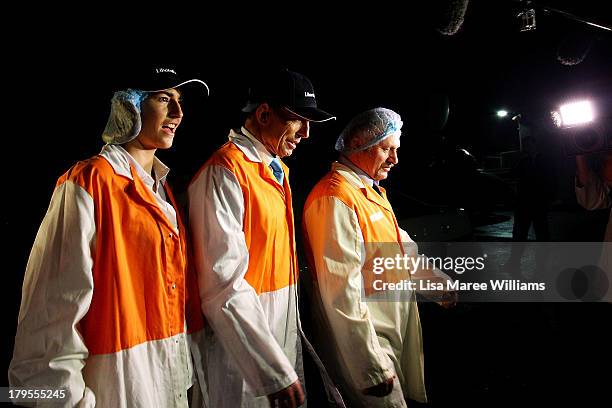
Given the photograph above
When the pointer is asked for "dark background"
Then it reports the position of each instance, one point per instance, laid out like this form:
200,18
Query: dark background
59,83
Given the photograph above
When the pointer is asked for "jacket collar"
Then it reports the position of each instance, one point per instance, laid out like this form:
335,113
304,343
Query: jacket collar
117,159
362,174
245,145
264,154
349,174
121,161
356,181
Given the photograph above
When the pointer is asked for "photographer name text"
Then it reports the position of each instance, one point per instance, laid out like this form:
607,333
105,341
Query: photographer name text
430,285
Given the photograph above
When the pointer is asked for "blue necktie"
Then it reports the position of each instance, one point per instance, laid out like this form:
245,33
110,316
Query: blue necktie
277,170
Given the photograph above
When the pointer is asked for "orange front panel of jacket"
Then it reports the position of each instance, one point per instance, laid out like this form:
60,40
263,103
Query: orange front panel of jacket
365,202
268,221
376,219
139,263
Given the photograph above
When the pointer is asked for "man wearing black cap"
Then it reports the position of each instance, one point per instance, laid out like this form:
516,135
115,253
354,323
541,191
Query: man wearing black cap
242,226
107,301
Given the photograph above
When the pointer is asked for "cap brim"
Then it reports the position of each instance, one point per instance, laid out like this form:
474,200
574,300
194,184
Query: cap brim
184,83
312,114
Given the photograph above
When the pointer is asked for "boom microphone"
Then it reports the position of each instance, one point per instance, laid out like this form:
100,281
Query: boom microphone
574,49
448,15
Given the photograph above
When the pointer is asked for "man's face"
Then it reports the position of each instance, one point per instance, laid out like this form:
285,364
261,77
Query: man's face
161,116
378,160
284,131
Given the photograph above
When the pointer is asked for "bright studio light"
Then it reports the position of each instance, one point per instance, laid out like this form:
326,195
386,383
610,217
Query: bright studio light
502,113
576,113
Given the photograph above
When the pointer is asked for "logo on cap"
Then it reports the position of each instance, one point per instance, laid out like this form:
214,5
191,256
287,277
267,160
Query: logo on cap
160,70
286,88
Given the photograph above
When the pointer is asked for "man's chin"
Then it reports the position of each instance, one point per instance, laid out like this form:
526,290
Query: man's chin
382,175
285,153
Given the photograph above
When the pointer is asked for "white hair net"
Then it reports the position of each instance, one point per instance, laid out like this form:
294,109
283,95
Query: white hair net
368,129
124,121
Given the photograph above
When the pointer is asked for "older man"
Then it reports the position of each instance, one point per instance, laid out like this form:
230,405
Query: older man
375,352
244,243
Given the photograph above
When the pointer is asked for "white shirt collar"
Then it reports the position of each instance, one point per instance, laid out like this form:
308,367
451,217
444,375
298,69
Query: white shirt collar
264,154
120,160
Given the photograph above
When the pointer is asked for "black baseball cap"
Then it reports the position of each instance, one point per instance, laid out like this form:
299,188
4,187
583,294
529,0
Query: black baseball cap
157,78
289,89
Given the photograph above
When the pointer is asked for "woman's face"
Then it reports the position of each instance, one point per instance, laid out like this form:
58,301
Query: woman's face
161,116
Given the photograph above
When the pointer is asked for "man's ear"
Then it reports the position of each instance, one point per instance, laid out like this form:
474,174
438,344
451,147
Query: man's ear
263,113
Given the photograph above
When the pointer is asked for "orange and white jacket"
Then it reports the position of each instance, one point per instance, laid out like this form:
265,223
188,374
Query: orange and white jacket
374,340
242,228
107,301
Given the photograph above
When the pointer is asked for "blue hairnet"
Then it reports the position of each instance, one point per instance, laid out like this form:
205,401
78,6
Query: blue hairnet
124,121
368,129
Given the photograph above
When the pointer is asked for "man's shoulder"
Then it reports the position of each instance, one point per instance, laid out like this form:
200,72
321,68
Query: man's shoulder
229,154
334,179
229,157
334,184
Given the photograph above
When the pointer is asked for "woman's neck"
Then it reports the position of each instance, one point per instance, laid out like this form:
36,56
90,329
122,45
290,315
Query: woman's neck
143,156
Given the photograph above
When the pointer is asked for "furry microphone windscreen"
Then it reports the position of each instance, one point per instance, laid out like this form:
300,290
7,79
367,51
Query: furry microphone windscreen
448,15
574,48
